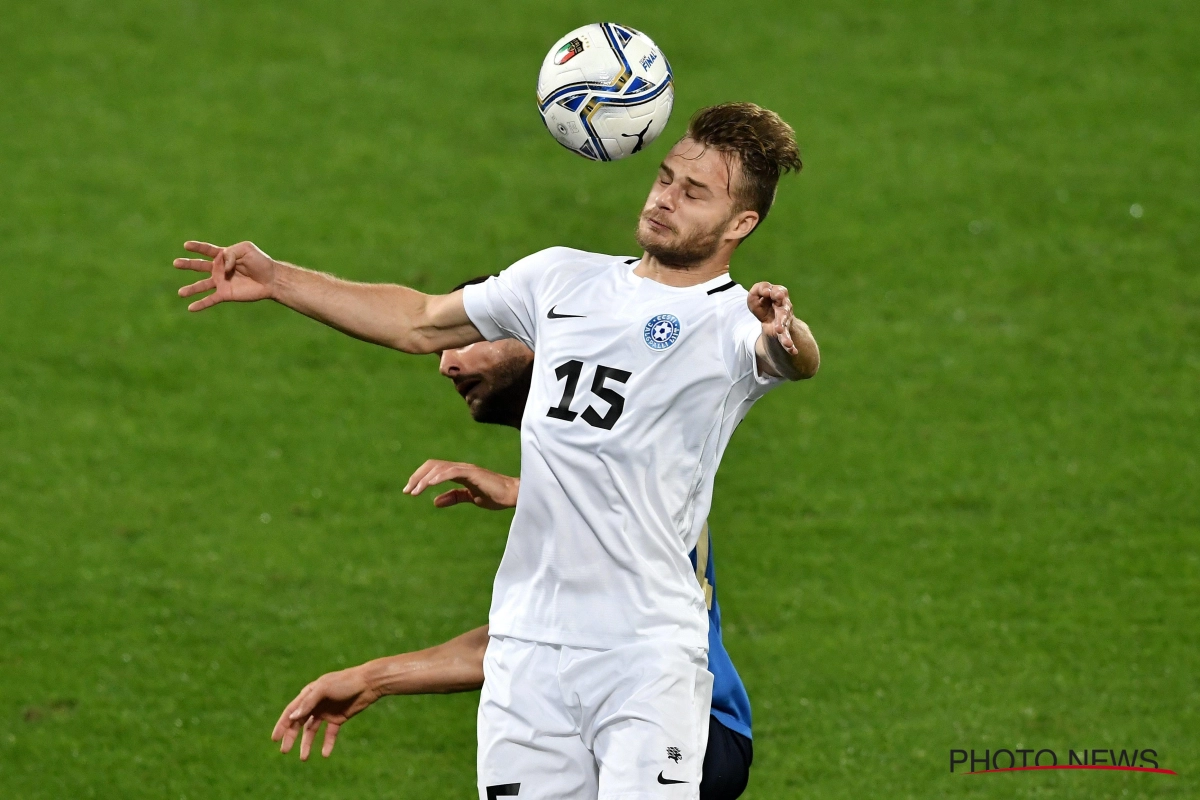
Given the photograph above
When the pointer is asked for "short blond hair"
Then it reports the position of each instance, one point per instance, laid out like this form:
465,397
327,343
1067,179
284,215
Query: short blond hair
765,147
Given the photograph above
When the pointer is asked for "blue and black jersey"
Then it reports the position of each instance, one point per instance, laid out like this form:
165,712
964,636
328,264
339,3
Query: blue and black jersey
730,703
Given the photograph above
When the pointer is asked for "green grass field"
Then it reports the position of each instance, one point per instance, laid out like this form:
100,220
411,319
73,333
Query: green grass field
977,528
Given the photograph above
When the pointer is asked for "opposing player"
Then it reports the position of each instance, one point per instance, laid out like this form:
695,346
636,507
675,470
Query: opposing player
595,673
494,378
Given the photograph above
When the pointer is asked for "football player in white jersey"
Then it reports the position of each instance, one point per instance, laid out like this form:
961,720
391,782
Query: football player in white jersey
595,681
494,379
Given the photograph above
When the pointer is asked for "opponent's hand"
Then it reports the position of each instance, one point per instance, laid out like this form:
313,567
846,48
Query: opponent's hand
484,488
331,699
771,304
240,273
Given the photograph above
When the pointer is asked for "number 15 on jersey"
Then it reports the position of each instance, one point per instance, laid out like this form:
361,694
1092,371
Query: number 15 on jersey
570,372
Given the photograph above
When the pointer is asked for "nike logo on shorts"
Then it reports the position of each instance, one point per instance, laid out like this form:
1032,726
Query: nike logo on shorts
552,315
665,781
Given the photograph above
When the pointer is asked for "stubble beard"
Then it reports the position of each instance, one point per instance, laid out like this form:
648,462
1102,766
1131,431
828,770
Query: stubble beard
505,405
690,251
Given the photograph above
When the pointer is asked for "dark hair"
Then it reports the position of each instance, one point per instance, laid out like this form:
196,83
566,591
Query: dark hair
471,282
764,145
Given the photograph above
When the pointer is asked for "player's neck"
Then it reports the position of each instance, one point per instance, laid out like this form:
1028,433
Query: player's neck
682,275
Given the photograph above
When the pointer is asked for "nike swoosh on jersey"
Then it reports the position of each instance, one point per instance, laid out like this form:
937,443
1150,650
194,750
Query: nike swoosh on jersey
664,781
552,315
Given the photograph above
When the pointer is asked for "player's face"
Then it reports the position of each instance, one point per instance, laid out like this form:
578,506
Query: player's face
493,377
690,212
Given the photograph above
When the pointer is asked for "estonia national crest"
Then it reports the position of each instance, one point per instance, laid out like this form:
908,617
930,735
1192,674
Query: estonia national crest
661,331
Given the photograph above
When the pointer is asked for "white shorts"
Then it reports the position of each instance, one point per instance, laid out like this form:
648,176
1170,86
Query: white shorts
574,723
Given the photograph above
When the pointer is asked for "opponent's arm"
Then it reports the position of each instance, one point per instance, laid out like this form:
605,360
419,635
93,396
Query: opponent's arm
484,488
332,699
786,348
386,314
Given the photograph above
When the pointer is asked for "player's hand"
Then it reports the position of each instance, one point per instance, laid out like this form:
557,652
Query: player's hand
484,488
332,699
240,273
771,304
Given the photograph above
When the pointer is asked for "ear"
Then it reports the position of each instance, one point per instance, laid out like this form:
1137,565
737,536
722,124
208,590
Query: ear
741,224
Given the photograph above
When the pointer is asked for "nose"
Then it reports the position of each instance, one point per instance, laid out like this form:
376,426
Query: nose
449,364
666,199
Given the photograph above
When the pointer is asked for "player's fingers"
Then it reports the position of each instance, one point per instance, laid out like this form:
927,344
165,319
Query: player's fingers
420,473
285,719
443,473
759,301
304,703
225,262
331,732
204,248
785,339
194,264
453,498
289,733
783,320
281,727
289,737
306,740
205,302
199,286
440,473
783,315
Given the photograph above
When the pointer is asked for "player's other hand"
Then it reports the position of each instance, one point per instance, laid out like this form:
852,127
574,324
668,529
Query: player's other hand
240,273
331,699
771,304
484,488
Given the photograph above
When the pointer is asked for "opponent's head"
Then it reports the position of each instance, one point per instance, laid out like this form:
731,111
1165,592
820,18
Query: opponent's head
717,183
493,377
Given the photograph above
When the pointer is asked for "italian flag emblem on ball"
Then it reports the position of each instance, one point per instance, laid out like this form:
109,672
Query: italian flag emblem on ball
568,51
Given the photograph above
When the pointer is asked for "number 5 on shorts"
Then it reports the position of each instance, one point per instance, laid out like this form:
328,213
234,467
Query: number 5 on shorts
503,790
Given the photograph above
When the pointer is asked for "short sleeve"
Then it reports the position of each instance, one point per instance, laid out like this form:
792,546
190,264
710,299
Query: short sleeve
505,306
744,329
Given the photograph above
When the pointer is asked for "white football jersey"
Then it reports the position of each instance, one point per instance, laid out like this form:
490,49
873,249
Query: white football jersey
637,387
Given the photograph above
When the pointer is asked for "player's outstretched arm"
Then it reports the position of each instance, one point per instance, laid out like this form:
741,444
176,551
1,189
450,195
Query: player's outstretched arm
484,488
333,698
386,314
786,348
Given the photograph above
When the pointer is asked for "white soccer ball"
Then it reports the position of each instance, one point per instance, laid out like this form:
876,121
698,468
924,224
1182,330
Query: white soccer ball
605,91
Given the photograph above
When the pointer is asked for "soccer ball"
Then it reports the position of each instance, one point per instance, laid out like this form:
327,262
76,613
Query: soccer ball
605,91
